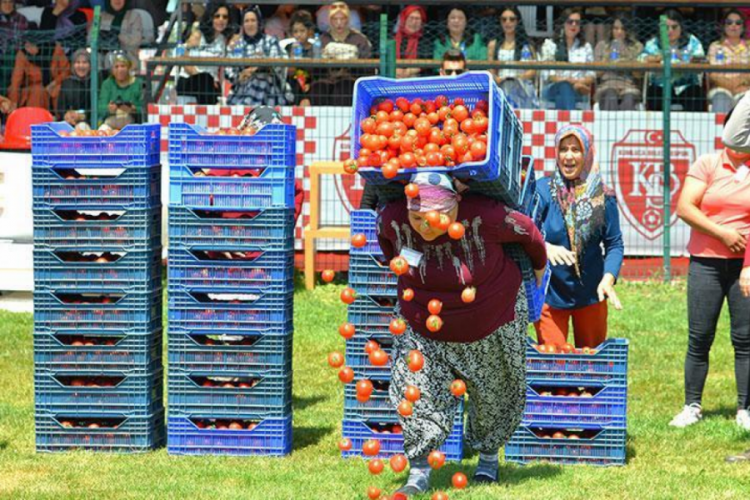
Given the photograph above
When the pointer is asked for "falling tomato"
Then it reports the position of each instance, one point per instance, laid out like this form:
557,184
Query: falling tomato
397,326
434,306
348,295
346,374
439,496
468,295
347,330
434,323
433,218
399,265
405,408
373,493
408,295
458,388
371,346
412,393
398,463
345,444
456,230
371,447
436,459
359,240
378,358
364,386
459,480
327,275
411,190
376,466
336,359
415,360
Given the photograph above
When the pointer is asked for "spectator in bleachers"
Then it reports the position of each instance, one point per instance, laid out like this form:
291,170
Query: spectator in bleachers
36,80
566,88
255,86
514,45
409,34
303,31
686,86
279,23
121,95
341,42
121,28
209,40
62,18
75,94
12,27
618,90
732,48
458,37
323,18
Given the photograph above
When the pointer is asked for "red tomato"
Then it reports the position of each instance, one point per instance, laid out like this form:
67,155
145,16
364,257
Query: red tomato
400,127
416,107
458,388
382,116
408,160
444,222
412,393
405,408
386,106
397,326
408,295
348,295
436,459
460,143
483,105
398,463
433,118
430,107
371,447
374,160
394,141
378,358
444,113
411,190
567,348
441,101
376,466
403,104
364,386
327,275
434,323
422,126
460,112
389,171
439,496
371,346
336,359
467,126
370,141
459,480
450,128
396,116
387,129
363,398
430,148
449,153
434,159
373,493
399,266
558,435
434,306
409,119
481,124
369,125
347,330
346,375
359,240
456,230
478,150
468,295
415,360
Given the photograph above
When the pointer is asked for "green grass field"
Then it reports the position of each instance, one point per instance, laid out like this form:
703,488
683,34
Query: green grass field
662,462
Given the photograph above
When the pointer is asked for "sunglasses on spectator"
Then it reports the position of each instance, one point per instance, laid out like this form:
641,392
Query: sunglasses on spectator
736,22
673,27
573,22
221,16
454,72
512,19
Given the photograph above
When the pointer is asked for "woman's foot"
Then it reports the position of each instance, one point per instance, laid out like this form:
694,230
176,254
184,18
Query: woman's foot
419,479
486,468
690,414
743,420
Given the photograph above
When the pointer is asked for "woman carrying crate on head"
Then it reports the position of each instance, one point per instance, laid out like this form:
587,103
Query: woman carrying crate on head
580,217
483,313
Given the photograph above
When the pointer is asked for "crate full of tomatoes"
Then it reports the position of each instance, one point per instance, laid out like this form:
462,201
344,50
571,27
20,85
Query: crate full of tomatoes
462,126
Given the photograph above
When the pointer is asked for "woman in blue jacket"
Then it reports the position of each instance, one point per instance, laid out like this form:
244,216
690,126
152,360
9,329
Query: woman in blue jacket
584,244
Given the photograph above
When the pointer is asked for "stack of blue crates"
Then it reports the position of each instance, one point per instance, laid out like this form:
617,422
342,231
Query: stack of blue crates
371,314
230,271
576,407
97,296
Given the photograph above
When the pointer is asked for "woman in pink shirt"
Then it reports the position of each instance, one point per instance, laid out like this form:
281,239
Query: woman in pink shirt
714,203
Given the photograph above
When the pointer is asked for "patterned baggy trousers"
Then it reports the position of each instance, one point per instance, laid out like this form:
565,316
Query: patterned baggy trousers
494,370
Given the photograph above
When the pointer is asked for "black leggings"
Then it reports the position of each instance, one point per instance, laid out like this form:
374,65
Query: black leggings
710,281
201,86
691,99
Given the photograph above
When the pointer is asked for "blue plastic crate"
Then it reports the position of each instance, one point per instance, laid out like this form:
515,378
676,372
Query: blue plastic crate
187,312
272,188
504,145
133,145
372,314
138,391
272,437
234,353
607,364
536,295
528,189
117,433
271,270
364,222
86,186
536,211
270,228
359,431
55,351
607,407
141,227
606,447
275,145
379,407
269,394
136,270
54,311
372,275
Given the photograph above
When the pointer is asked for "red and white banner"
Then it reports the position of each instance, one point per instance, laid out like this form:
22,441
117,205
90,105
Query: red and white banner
629,151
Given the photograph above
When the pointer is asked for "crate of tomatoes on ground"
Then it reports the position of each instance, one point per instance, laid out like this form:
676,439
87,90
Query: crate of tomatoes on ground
462,126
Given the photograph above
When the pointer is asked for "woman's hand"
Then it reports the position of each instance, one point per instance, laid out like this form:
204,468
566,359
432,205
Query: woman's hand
560,256
733,240
539,275
72,117
606,289
247,73
582,88
745,281
112,108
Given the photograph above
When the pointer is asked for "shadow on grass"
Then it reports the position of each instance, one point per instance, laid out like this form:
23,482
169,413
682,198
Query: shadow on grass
302,403
516,475
729,412
3,444
304,437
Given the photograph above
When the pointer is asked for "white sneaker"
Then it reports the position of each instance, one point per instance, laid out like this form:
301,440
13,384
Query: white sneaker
743,419
690,414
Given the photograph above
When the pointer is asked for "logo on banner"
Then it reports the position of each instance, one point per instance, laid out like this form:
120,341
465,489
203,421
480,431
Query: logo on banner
637,165
348,187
